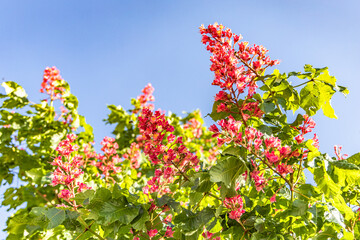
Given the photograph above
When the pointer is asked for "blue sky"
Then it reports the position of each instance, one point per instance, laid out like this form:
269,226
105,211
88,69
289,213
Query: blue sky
109,50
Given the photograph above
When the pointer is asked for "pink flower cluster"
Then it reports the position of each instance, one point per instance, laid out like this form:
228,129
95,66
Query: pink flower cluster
68,169
195,126
209,236
275,154
235,204
49,85
337,150
152,233
145,98
259,180
269,148
107,162
235,70
231,132
162,147
65,116
89,152
133,155
52,86
308,125
213,152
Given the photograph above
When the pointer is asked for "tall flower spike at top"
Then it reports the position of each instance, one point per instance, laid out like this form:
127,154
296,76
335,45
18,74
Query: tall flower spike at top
50,83
68,170
235,63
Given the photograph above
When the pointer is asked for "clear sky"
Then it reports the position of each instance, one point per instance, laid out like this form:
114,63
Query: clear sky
109,50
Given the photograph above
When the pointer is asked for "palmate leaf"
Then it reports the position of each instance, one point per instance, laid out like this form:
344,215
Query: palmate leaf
17,95
12,88
318,91
311,97
139,222
107,210
192,221
355,159
113,210
166,200
56,217
330,232
344,173
227,170
331,189
279,91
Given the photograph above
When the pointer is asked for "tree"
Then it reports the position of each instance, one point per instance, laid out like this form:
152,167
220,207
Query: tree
169,177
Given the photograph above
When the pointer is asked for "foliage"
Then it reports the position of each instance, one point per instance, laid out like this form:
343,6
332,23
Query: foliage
170,177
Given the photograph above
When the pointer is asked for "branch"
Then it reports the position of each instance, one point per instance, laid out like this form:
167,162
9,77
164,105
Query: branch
87,228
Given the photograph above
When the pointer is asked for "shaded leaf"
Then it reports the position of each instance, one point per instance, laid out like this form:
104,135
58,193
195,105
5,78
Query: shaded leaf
56,217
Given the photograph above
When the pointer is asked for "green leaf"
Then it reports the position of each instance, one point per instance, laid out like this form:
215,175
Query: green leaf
309,98
14,88
355,159
263,210
235,151
165,199
344,90
227,170
56,139
139,222
328,110
56,217
329,233
299,120
38,211
345,164
309,191
331,189
83,197
117,211
260,225
267,106
17,95
35,174
70,220
325,183
334,215
191,221
318,211
299,208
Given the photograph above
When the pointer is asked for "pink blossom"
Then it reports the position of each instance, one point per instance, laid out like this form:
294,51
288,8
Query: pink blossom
235,204
272,157
273,198
315,141
299,138
259,180
169,232
284,169
284,151
272,142
49,84
152,232
207,235
221,108
337,150
168,219
221,96
228,64
65,194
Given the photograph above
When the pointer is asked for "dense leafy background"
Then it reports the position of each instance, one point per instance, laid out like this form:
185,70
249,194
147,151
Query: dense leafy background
92,48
